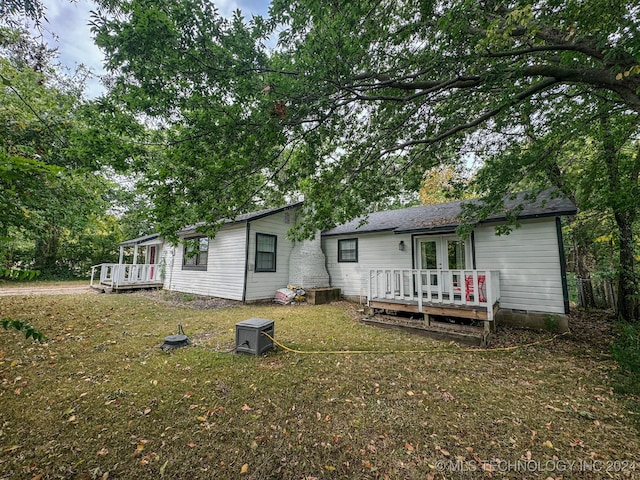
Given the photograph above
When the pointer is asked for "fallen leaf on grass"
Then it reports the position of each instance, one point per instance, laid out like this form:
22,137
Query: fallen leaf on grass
443,451
447,397
244,468
246,408
488,468
555,409
163,467
102,452
547,444
38,476
139,448
191,444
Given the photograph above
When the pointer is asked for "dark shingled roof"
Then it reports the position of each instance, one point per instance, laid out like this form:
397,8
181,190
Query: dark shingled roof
444,216
139,240
245,217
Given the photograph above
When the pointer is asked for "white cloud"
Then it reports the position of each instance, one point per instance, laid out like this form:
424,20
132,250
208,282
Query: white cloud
69,22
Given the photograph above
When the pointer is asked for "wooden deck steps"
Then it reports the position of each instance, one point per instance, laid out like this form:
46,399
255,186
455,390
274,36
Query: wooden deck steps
464,334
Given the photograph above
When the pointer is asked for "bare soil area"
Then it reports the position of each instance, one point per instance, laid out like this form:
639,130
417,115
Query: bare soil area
46,290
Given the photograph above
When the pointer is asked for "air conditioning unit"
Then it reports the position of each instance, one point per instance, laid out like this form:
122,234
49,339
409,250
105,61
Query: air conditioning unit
250,338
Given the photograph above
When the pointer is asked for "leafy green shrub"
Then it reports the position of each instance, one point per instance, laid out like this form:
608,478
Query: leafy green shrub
626,351
16,274
21,326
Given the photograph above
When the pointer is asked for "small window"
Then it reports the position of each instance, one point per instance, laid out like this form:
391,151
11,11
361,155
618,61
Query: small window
266,252
196,253
348,250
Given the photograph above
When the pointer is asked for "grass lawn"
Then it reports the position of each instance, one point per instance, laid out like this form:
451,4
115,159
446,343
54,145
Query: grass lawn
100,400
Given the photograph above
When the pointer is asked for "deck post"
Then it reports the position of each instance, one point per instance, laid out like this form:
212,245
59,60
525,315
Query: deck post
419,282
121,258
490,300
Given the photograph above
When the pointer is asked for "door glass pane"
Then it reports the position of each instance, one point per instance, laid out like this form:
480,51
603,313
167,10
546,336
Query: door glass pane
428,258
455,254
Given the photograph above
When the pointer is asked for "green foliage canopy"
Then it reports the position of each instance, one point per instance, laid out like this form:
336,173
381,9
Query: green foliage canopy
358,97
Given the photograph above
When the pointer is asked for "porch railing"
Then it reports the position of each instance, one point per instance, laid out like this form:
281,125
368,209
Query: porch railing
458,287
125,274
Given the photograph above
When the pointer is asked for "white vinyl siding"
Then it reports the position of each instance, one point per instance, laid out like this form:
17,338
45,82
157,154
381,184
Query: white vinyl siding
263,285
374,250
224,276
528,260
529,263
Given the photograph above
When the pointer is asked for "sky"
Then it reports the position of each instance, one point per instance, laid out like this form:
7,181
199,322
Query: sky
69,22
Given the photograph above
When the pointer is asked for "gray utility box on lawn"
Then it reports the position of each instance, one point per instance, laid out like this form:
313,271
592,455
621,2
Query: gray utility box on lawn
249,337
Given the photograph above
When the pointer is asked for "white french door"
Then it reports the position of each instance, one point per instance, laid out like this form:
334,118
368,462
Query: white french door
442,253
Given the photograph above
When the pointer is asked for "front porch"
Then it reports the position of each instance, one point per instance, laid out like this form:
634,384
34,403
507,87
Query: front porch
468,294
124,276
114,277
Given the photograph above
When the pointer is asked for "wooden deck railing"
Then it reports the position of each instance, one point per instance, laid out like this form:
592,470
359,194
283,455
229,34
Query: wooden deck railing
457,287
116,275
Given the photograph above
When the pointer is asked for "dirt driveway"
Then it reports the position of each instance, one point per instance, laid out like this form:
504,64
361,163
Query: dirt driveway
46,290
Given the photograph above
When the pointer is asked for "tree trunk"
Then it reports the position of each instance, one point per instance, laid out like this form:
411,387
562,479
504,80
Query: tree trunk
46,254
624,213
581,241
627,281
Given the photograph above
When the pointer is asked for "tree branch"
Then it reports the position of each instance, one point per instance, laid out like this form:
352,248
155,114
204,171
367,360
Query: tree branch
544,84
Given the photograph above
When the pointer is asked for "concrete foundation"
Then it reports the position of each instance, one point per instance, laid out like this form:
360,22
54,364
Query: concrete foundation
553,322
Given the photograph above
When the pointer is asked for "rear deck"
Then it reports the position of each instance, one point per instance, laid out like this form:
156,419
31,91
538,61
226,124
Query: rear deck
468,294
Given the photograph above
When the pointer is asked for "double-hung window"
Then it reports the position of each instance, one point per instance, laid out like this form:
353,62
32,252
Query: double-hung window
266,247
196,253
348,250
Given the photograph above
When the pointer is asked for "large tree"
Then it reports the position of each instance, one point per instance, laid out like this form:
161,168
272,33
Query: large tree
359,99
52,150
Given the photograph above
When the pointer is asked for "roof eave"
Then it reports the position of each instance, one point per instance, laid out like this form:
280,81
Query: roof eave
356,232
139,240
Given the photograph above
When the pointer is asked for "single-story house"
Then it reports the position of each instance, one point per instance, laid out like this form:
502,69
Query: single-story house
403,260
